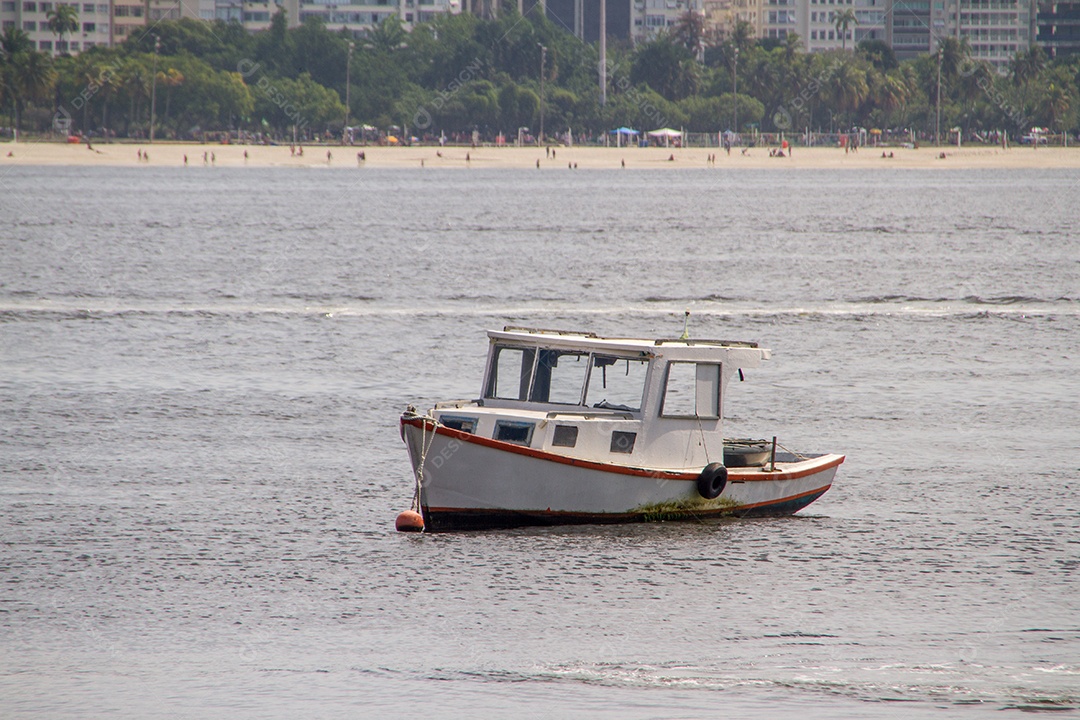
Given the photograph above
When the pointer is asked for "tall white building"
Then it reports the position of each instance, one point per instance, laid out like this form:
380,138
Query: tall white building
995,29
814,21
356,16
32,17
649,17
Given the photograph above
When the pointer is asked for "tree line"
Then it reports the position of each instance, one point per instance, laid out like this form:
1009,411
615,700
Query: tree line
460,74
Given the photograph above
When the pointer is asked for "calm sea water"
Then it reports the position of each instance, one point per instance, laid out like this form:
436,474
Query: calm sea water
200,378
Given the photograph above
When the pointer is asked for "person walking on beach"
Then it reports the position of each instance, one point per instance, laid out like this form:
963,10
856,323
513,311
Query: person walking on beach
185,159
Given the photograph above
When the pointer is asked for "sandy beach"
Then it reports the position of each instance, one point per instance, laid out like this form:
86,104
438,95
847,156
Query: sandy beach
160,154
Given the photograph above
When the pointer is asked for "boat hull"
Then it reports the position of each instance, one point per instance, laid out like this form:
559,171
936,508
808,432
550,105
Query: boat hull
472,482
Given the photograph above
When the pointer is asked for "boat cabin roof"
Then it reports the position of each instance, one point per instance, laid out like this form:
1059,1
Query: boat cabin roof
689,349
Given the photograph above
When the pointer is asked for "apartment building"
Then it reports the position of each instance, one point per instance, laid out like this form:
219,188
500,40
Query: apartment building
32,17
1058,27
814,22
357,16
995,29
721,16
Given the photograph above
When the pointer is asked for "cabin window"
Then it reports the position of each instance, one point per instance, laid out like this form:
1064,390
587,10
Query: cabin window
616,383
565,436
622,442
692,390
511,372
519,433
560,377
459,422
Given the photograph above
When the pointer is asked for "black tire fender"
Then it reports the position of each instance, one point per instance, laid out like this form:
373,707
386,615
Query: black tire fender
712,481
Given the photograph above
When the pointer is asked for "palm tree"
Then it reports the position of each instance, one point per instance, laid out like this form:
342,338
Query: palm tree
888,94
843,21
1026,65
846,89
135,79
388,34
63,19
1024,68
743,36
1055,103
32,76
689,30
170,78
13,42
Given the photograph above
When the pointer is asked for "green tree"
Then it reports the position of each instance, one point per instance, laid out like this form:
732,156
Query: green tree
299,103
1055,104
32,78
880,53
135,81
667,67
846,88
519,107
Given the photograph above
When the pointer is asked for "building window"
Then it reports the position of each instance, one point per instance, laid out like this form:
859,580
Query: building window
29,7
45,45
89,27
29,25
88,7
8,6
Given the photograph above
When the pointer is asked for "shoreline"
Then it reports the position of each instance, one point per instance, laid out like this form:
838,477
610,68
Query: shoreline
167,154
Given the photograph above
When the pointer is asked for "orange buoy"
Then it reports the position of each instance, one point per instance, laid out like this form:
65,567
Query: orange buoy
409,521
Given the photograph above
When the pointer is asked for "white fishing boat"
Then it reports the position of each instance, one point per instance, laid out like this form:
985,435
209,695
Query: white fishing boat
575,428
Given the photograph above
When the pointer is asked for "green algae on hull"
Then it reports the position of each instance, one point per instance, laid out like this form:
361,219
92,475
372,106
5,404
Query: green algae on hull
685,509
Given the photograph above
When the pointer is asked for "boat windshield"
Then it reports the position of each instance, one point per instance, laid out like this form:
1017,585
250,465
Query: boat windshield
511,373
616,383
560,376
567,377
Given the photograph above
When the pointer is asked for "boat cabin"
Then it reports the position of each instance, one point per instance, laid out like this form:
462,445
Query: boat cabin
646,403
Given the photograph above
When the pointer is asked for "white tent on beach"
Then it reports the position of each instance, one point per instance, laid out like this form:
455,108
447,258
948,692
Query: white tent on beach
667,134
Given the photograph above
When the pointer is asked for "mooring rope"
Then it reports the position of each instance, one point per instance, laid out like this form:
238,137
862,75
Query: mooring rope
425,445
